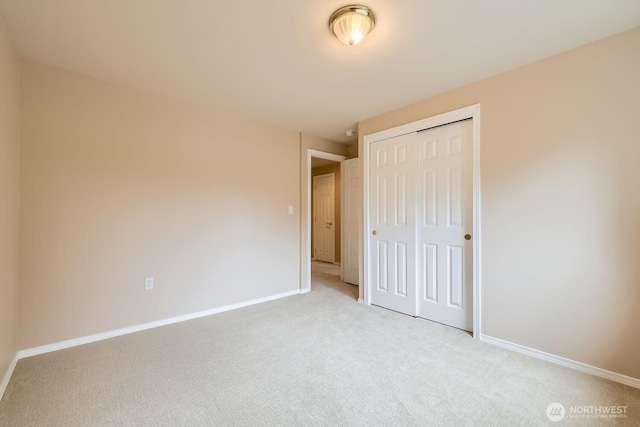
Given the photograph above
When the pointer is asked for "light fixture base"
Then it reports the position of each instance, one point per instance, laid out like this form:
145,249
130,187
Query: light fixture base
351,24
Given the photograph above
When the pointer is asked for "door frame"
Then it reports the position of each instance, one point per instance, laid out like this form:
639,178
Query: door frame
313,213
305,235
470,112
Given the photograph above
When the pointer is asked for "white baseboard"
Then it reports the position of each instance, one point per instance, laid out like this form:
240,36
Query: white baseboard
7,376
305,290
142,327
599,372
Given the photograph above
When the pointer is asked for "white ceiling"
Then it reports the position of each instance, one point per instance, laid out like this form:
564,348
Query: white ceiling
276,61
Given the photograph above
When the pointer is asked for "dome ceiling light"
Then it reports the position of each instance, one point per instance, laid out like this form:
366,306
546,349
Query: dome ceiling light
351,24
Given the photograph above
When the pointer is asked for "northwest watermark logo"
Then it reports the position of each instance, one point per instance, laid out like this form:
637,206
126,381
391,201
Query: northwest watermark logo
557,412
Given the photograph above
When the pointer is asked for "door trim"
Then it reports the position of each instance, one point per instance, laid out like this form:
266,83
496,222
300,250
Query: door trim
314,214
305,235
470,112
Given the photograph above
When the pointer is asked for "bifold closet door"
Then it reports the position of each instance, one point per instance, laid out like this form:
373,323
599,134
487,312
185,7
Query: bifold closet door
445,225
392,266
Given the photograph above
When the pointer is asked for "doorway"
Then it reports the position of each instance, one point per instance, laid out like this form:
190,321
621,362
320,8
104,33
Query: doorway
326,228
306,214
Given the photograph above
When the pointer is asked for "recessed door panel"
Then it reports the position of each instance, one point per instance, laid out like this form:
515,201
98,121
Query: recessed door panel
454,199
455,275
429,198
401,200
401,269
430,272
382,205
383,265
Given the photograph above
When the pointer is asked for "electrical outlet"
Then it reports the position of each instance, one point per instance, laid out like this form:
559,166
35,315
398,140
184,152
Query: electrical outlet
148,283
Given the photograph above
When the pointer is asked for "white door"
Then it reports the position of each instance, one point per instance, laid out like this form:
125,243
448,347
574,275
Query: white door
392,214
444,225
324,217
351,221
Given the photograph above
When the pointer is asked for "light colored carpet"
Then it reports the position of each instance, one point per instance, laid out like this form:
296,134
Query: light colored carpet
315,359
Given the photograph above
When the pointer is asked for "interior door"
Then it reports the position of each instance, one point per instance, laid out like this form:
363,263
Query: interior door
392,215
351,221
444,225
324,217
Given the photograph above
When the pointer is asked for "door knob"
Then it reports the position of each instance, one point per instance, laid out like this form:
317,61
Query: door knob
467,236
375,232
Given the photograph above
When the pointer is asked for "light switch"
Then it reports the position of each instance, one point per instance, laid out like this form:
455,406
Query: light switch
290,210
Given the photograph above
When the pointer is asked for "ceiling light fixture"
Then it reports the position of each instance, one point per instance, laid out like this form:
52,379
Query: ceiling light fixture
352,23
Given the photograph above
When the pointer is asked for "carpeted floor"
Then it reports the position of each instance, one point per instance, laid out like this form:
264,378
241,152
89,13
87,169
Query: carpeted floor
314,359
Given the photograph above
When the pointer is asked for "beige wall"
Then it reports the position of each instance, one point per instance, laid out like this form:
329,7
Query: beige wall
352,151
560,200
119,185
9,195
334,169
